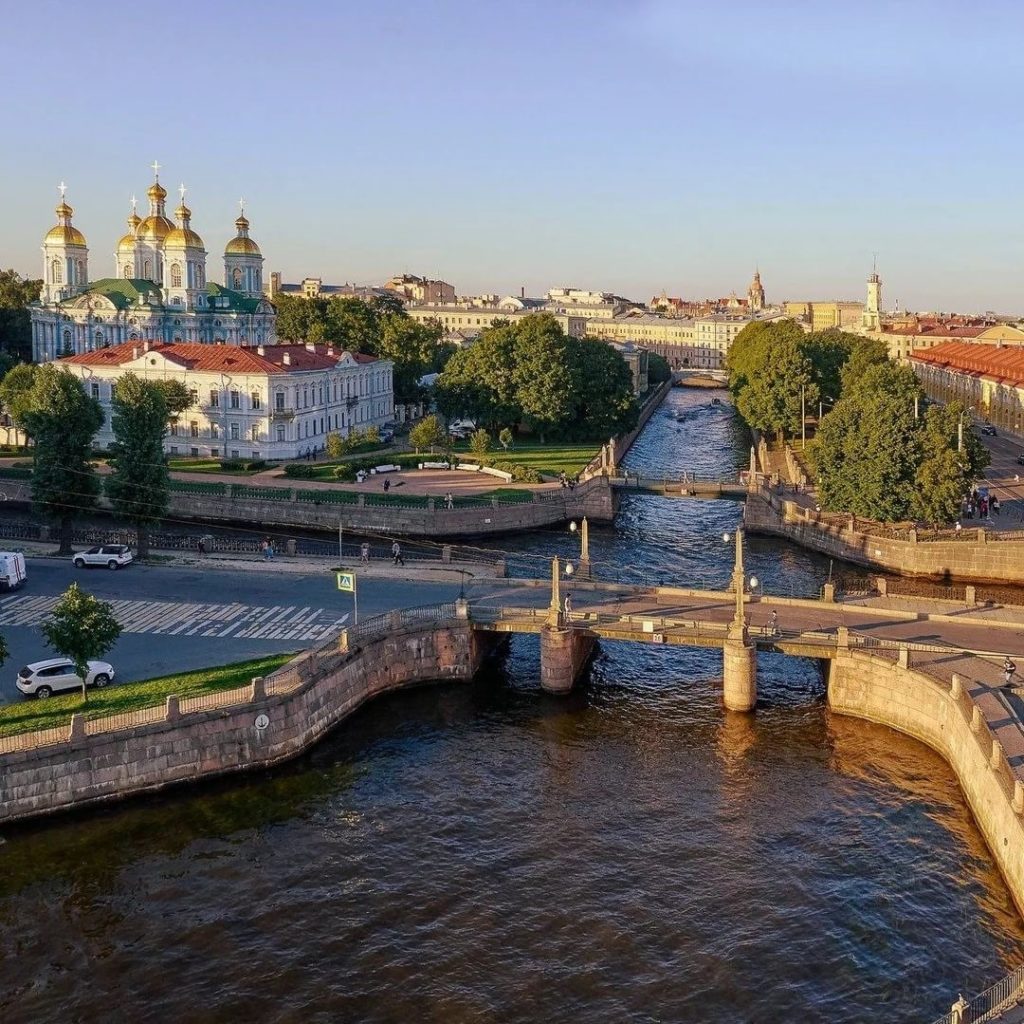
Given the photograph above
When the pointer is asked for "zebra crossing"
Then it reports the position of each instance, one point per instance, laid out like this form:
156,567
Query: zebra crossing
168,618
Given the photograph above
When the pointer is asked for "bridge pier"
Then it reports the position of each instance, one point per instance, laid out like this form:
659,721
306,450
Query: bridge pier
739,673
563,655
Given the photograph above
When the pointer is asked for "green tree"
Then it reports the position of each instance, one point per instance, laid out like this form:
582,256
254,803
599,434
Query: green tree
63,420
17,293
603,391
544,374
410,346
372,435
505,438
81,628
16,392
335,446
139,481
177,397
480,442
864,353
658,370
428,433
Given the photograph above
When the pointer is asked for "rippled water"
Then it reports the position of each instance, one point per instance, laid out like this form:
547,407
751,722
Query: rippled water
485,853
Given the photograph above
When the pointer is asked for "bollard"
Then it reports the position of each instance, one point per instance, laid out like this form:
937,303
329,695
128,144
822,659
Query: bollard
343,642
77,731
446,553
172,708
904,661
461,608
881,585
996,756
258,691
829,593
971,595
430,504
977,719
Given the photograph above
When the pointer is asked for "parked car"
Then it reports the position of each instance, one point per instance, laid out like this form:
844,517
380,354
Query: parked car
113,556
988,430
43,678
387,435
12,570
1020,460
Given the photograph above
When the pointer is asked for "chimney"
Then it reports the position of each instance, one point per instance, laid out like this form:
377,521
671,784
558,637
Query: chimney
286,359
145,346
330,350
261,350
135,351
522,291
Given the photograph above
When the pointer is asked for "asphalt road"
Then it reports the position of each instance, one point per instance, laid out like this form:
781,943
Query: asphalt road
179,619
1001,472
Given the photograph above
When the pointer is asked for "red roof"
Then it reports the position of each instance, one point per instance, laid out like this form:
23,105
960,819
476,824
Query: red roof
935,330
223,358
998,363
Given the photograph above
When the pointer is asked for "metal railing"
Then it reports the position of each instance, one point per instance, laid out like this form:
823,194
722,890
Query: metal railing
1005,993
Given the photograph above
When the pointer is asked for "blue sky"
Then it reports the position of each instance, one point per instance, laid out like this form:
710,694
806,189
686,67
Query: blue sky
631,146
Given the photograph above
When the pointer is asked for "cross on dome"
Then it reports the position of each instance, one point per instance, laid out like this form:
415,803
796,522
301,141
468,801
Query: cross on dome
182,190
156,169
241,206
62,188
134,202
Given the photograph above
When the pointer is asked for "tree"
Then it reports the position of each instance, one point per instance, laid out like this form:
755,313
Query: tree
177,396
335,446
63,420
605,403
15,394
505,438
480,442
410,346
81,628
543,374
428,433
139,482
658,369
17,293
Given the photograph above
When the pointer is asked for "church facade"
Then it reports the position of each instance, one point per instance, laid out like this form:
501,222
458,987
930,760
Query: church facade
159,291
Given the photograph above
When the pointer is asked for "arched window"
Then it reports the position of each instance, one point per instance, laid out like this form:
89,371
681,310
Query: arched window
147,270
67,340
200,276
55,271
99,339
175,275
127,271
236,278
79,272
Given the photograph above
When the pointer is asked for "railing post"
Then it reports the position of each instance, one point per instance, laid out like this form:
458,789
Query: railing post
446,552
843,637
977,719
172,708
956,687
258,691
1018,796
77,730
904,656
971,595
343,642
996,755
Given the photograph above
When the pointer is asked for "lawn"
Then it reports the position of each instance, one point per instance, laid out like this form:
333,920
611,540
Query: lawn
54,712
211,466
544,458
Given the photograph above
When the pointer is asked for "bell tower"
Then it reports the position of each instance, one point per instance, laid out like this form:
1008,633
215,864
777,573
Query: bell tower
873,307
65,257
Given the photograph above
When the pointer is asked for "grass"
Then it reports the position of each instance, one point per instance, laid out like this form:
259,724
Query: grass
544,458
211,465
55,712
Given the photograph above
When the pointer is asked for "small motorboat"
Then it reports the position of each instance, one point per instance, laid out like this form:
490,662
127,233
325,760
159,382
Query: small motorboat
716,401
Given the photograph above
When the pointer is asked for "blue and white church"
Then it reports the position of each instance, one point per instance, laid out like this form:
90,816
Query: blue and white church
159,291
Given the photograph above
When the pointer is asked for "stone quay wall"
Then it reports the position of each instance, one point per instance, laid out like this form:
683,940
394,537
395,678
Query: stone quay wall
979,556
264,724
946,719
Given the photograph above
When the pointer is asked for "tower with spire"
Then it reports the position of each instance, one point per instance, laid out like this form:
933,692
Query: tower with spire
65,257
243,261
184,262
872,320
755,293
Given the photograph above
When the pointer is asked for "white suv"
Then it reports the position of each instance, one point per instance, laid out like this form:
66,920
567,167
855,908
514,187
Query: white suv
42,678
113,556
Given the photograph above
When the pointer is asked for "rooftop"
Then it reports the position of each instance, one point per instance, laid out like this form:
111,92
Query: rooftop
1004,365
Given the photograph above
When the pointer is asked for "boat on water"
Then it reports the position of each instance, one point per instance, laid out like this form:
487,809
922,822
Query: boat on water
716,401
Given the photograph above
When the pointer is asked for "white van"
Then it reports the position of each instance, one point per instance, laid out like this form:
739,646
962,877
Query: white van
12,570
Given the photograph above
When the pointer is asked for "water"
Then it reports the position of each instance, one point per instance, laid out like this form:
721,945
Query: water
485,853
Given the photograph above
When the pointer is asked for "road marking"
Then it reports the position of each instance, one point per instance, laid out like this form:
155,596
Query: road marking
167,618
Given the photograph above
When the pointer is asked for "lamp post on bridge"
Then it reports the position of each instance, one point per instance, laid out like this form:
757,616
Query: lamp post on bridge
739,683
584,532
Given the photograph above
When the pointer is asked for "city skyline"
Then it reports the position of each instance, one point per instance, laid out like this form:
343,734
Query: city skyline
677,166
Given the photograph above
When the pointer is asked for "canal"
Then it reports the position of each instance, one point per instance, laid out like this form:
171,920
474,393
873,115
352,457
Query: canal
487,853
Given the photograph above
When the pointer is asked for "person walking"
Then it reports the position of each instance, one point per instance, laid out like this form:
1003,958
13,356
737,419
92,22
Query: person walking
1009,668
449,501
271,550
773,623
364,553
387,485
265,548
568,607
396,552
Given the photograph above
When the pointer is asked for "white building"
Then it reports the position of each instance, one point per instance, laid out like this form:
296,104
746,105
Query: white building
158,291
265,402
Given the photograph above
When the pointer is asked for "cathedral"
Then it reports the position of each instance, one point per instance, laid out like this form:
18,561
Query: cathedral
159,291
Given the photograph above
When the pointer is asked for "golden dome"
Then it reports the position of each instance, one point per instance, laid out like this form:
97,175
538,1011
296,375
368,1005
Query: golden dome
64,234
156,192
127,244
63,210
182,237
155,228
242,246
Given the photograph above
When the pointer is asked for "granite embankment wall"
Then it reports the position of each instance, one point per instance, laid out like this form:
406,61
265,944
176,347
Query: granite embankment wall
281,507
947,720
980,556
108,759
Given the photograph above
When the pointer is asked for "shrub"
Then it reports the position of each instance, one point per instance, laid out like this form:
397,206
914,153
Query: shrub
480,442
521,474
300,471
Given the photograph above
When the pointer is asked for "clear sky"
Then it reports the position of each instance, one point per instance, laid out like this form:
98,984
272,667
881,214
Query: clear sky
630,146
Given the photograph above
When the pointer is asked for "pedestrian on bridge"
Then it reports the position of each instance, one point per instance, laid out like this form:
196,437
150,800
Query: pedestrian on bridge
396,552
364,553
1009,668
568,607
773,623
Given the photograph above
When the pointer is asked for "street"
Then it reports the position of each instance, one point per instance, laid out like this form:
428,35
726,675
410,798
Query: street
178,619
1001,473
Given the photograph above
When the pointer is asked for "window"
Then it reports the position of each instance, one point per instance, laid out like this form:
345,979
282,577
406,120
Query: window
236,278
99,339
174,449
173,429
194,452
67,339
279,402
236,400
214,430
147,270
280,433
94,390
127,271
255,399
214,398
234,432
193,429
215,451
193,396
254,433
234,453
56,273
175,275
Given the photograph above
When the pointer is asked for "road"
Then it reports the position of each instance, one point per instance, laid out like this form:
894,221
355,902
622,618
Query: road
178,619
1001,473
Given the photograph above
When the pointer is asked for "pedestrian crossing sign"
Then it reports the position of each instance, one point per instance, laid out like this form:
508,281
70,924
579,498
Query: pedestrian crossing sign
347,581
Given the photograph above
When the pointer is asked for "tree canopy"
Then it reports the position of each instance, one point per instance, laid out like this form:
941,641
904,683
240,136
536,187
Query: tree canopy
16,293
380,327
530,374
82,628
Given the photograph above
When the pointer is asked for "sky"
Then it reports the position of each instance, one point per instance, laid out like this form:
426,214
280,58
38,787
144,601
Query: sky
622,146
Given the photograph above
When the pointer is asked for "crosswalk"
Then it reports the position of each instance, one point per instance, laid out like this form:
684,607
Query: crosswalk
168,618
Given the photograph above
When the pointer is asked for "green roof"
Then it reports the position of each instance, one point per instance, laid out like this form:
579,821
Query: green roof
236,300
124,291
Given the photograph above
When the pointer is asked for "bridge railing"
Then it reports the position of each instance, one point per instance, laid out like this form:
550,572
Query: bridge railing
1004,994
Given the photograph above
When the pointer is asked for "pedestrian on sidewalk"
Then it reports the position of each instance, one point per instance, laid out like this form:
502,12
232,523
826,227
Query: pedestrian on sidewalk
265,548
449,501
396,552
568,607
364,553
1008,670
202,546
387,485
271,550
958,527
773,623
994,505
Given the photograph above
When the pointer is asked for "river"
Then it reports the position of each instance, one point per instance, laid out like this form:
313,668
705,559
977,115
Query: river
486,853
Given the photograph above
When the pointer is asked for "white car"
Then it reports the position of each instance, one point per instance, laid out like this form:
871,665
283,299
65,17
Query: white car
43,678
113,556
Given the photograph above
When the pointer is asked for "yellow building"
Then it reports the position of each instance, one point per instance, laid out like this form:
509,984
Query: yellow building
822,316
